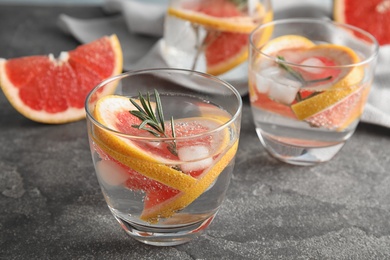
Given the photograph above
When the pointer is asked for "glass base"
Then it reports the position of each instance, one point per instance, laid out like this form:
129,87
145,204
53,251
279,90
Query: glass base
299,155
169,236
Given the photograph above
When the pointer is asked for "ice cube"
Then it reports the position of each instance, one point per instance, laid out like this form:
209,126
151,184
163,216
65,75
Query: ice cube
284,90
312,62
195,154
111,173
265,78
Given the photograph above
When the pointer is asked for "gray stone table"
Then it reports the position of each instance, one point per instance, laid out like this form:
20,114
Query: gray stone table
51,206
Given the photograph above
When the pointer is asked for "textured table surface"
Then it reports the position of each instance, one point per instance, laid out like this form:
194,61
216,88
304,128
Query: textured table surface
51,206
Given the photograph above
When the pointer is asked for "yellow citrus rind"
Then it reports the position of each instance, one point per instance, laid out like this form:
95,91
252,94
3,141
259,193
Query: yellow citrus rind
183,199
289,41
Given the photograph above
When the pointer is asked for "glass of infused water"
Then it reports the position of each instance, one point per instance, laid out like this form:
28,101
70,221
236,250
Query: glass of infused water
212,35
163,146
309,80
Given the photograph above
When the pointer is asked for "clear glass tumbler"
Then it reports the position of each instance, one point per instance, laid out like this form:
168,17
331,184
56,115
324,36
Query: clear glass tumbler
163,147
212,35
309,80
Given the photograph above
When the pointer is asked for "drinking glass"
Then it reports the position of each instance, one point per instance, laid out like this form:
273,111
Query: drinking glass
164,187
308,83
212,35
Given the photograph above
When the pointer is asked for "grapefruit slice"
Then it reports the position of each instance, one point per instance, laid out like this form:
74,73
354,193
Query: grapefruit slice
170,182
343,113
343,86
155,162
372,16
49,90
224,51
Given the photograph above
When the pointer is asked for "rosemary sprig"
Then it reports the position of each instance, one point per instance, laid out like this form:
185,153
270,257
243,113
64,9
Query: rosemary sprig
299,77
151,122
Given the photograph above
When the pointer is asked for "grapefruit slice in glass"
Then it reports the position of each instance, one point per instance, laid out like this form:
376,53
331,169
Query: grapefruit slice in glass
339,90
153,159
50,90
272,48
170,182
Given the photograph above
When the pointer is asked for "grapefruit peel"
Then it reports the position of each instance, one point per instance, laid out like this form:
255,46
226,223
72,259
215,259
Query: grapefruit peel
47,65
242,55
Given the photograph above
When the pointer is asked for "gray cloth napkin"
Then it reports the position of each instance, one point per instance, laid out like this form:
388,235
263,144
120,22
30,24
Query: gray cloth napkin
139,27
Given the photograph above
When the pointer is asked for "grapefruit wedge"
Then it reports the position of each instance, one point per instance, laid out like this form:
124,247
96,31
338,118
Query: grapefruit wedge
53,90
372,16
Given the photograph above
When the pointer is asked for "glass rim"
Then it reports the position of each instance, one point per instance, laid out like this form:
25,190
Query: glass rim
364,61
162,139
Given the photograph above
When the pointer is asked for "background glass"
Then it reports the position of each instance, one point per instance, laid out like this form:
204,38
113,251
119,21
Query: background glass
309,80
162,198
212,35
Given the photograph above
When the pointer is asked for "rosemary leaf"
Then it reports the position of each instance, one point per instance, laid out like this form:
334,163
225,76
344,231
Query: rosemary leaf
292,72
160,113
136,105
151,122
318,80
